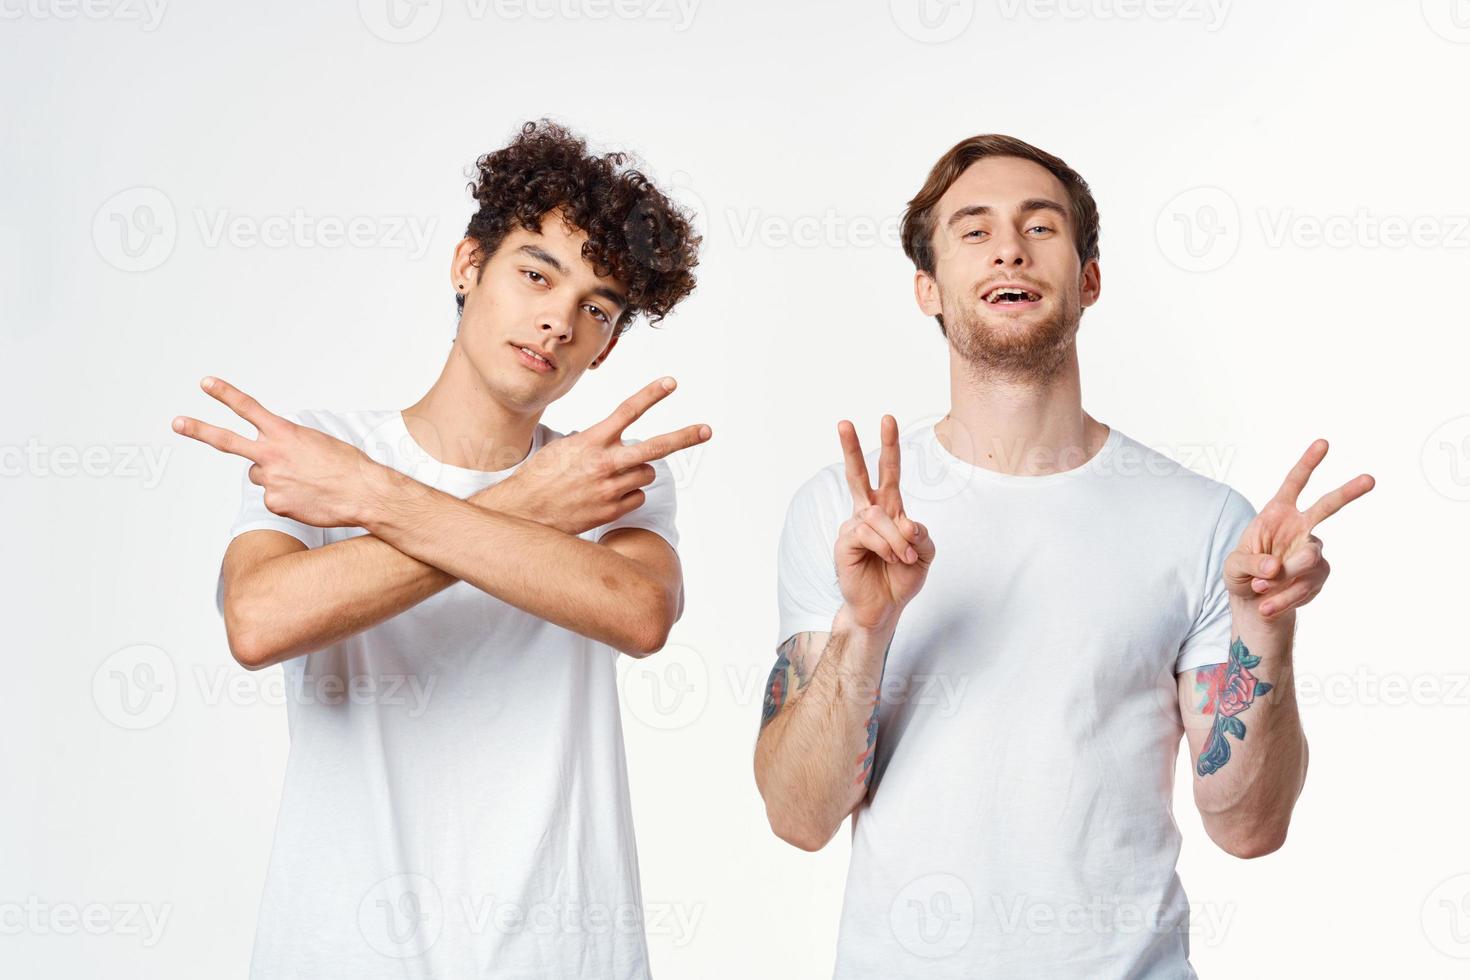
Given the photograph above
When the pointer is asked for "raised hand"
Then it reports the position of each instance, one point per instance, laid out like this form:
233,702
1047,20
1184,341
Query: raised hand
589,478
882,556
308,476
1278,564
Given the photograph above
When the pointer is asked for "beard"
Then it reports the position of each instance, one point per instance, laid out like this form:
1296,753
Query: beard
1034,347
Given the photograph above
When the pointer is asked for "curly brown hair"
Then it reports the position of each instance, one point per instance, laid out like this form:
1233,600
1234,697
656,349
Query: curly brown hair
634,232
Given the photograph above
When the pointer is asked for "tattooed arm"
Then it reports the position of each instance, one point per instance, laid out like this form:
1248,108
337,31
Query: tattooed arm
819,727
1245,735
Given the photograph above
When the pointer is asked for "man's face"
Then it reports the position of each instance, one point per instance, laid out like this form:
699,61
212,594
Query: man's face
538,294
1004,223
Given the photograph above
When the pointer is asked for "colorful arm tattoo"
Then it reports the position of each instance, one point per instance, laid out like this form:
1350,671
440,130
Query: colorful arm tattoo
865,761
1225,691
786,679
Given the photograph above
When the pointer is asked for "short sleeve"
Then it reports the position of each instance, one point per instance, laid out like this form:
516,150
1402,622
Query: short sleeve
254,516
807,593
1208,641
658,510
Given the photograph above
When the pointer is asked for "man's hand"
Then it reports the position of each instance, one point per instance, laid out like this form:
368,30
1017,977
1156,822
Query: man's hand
1278,564
882,556
589,478
308,475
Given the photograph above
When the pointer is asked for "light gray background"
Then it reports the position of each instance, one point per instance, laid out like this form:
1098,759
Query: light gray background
1285,247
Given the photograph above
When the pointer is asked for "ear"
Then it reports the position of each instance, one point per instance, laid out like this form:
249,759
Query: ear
464,274
926,293
602,358
1091,283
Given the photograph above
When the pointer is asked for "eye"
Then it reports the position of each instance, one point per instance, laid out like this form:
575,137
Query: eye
974,233
1043,228
601,316
534,276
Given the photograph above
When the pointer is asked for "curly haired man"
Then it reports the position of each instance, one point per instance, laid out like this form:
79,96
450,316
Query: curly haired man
446,587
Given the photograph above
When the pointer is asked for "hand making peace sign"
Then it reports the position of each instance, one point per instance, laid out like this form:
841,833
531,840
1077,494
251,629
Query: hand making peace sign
882,556
1278,564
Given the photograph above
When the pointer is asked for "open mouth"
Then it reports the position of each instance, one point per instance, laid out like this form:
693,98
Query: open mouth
1010,296
534,359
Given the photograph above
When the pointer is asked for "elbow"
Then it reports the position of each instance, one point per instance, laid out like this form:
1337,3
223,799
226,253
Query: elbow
249,644
649,633
1251,845
801,834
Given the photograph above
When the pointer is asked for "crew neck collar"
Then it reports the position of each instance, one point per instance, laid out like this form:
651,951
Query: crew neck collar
1095,465
425,463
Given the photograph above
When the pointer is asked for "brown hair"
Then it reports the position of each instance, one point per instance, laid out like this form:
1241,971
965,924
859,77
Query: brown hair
919,219
634,232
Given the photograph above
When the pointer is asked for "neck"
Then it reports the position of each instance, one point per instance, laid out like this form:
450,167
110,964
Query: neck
460,423
1023,426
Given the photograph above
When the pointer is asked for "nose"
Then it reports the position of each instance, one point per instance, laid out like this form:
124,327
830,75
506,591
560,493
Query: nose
1010,250
557,326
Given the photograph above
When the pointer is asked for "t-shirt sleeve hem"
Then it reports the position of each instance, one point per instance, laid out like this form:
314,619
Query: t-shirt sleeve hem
806,625
283,527
1200,656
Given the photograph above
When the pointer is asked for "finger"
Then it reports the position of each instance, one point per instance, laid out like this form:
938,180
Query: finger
670,442
638,476
877,518
633,407
857,467
1304,558
256,474
1298,593
630,502
888,468
212,435
868,536
1243,565
1296,480
240,403
1336,500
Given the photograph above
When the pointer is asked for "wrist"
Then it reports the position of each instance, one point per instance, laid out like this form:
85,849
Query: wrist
385,494
1245,615
880,629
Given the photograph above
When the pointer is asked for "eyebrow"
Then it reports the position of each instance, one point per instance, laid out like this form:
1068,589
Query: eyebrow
606,292
1027,206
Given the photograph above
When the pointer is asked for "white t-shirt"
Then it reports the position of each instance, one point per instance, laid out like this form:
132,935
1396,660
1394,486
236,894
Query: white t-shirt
1019,823
456,797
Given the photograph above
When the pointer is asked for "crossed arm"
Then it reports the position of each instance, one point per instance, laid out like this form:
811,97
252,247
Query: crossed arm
282,600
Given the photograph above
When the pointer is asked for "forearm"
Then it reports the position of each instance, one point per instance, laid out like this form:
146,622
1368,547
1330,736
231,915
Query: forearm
814,756
576,584
1254,761
294,604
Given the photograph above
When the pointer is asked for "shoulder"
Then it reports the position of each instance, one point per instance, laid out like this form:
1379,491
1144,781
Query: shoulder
1188,485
